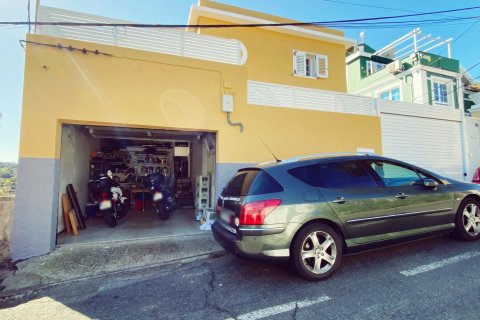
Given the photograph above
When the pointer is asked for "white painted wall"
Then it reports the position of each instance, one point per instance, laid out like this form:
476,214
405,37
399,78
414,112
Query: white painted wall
75,151
419,87
203,164
197,168
210,165
473,141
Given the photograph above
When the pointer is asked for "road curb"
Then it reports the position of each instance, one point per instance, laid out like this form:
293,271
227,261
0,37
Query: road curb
32,289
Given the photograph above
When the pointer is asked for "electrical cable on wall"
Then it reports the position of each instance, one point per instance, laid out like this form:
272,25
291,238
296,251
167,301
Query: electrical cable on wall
69,48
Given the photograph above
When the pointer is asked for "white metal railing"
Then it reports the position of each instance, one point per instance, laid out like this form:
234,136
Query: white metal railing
167,41
277,95
418,41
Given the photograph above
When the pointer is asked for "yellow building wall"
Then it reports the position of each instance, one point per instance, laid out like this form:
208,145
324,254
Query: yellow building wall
263,16
135,88
270,53
270,56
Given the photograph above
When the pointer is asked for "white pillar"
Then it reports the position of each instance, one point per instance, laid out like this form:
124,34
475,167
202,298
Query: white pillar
415,47
465,148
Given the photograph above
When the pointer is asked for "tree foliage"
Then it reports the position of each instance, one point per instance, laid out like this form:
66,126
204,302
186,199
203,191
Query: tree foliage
8,177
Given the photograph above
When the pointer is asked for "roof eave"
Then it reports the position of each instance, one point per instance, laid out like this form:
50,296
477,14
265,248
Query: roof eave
196,11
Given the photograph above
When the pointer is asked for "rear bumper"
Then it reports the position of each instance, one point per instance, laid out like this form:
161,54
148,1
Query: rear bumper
226,239
268,243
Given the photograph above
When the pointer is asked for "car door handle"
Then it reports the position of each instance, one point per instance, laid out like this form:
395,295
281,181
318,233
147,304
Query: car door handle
401,195
340,200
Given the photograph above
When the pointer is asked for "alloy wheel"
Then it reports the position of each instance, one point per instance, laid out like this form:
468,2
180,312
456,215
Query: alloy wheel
319,252
471,219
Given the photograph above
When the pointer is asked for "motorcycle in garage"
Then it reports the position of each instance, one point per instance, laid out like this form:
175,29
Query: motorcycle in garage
161,187
111,202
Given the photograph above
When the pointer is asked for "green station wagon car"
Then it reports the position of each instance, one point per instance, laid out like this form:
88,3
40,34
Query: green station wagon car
315,209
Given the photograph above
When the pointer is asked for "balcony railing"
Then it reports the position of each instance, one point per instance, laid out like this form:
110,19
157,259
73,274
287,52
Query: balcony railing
167,41
277,95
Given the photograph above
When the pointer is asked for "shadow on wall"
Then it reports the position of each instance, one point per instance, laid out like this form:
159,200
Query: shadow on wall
6,211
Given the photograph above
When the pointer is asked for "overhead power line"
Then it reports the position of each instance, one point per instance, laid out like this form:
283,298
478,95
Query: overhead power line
375,6
453,80
455,39
28,16
97,52
247,25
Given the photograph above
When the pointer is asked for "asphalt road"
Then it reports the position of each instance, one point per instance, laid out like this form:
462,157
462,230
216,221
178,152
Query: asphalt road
437,278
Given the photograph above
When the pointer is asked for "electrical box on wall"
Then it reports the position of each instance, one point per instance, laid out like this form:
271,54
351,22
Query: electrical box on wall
227,103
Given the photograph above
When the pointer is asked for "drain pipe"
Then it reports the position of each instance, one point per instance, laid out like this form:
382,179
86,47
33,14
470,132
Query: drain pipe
234,123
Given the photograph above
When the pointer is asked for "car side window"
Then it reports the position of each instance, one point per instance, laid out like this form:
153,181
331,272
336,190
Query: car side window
424,176
336,175
394,175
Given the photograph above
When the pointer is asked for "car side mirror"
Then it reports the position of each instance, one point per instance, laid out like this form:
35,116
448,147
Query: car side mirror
430,183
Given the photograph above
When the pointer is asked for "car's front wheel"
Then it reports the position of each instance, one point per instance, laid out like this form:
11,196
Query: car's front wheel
317,252
467,220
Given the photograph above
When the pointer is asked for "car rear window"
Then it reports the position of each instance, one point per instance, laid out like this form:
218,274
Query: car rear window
240,184
251,182
337,175
264,183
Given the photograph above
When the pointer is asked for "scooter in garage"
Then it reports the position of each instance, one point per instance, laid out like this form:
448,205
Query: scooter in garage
161,188
112,204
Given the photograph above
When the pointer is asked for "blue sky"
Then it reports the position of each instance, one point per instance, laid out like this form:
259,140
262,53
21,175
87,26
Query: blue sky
466,49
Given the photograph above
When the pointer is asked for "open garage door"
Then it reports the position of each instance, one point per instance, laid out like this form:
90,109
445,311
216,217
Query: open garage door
182,162
426,136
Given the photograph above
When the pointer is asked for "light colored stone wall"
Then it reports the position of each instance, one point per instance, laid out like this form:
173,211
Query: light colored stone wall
6,211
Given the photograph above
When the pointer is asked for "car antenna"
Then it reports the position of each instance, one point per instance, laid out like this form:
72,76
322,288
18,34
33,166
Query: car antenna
276,159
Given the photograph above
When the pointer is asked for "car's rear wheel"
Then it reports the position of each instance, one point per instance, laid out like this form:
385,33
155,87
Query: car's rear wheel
467,220
317,252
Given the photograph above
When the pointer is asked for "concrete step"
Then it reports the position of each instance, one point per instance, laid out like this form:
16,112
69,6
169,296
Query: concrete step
77,261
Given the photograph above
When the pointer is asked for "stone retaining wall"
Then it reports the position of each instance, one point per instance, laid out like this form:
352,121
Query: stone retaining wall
6,212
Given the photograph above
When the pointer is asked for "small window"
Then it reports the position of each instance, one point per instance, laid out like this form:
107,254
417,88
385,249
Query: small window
264,183
395,175
440,94
393,94
339,175
373,67
310,65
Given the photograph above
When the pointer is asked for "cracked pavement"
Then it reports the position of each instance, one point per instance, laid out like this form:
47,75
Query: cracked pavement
367,286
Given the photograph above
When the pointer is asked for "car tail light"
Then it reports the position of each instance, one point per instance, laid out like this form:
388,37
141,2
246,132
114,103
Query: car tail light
218,209
254,213
104,195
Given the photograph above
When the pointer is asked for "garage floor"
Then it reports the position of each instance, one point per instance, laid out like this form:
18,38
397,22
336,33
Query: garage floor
136,225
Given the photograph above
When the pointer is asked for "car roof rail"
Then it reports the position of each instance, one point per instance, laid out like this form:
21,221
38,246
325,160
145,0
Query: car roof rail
318,155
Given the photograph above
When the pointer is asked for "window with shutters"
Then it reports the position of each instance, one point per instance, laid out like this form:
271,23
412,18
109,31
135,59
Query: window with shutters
310,65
